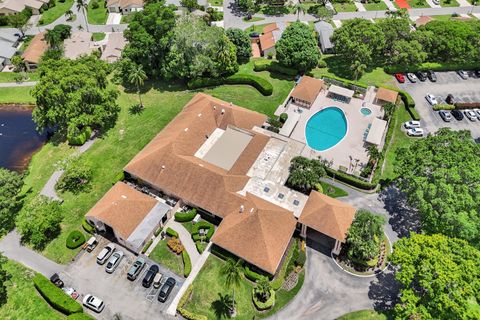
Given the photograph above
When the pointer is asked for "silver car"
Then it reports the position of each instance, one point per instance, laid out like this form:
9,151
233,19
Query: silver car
471,115
415,132
412,77
105,253
114,261
135,269
463,74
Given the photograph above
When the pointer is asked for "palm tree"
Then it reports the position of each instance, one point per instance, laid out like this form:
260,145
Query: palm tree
137,77
69,14
263,288
53,39
82,6
374,153
358,69
232,272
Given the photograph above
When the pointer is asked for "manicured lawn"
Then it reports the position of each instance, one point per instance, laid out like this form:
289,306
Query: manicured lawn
10,76
345,7
333,191
256,28
418,3
55,12
254,19
16,95
445,17
23,300
98,36
164,256
372,6
98,15
449,3
216,3
364,315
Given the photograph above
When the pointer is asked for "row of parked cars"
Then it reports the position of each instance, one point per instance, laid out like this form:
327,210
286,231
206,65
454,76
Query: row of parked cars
471,114
430,75
112,257
413,128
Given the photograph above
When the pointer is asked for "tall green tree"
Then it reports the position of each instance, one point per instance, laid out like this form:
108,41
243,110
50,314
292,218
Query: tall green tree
57,35
406,53
4,277
297,48
365,236
20,20
305,173
441,177
321,12
440,278
241,40
10,201
358,69
232,272
263,288
73,94
137,78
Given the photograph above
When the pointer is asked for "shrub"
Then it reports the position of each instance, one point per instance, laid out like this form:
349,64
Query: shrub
80,138
95,4
76,177
301,259
175,245
87,226
172,233
283,117
200,246
187,264
439,107
203,225
147,245
350,180
274,122
262,85
263,305
435,66
185,216
157,232
75,239
321,63
274,67
55,297
407,99
190,315
413,113
251,275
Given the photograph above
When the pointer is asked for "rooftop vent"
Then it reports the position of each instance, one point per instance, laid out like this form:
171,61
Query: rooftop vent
186,129
281,196
124,197
223,111
266,189
251,210
199,114
163,166
214,107
242,207
296,202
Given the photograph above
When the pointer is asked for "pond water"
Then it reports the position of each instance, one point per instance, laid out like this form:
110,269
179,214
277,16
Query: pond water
18,138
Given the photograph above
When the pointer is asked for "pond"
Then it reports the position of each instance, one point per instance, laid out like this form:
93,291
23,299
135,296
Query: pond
18,138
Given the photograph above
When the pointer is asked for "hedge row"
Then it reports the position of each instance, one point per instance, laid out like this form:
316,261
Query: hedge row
147,245
87,226
406,98
439,107
58,299
273,66
185,313
349,179
263,305
187,264
157,232
435,66
75,239
81,138
251,275
413,113
172,233
185,216
262,85
202,225
200,246
346,81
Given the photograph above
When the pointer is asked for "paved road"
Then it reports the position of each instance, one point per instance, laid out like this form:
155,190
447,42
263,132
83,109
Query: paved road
12,249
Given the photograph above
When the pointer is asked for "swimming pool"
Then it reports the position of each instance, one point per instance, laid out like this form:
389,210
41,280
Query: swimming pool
326,128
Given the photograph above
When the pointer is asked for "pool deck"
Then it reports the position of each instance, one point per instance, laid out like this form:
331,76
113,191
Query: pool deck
350,152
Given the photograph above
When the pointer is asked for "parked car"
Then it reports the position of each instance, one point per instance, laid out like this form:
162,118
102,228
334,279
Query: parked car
55,279
457,114
437,2
91,244
477,111
400,77
157,281
150,276
477,73
450,99
94,303
166,289
471,115
422,76
412,124
415,132
463,74
412,77
135,269
114,261
105,253
445,115
431,99
432,76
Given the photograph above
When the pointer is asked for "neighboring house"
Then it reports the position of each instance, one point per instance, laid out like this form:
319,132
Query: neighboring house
215,156
128,216
8,7
8,46
35,51
124,6
306,91
384,95
112,51
271,34
78,44
325,32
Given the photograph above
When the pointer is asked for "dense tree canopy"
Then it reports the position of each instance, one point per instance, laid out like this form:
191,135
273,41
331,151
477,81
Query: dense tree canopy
365,236
297,48
73,94
441,177
199,50
440,278
10,186
57,35
4,277
305,173
241,40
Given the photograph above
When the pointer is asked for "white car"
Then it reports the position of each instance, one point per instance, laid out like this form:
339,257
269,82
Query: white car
477,111
431,99
463,74
94,303
412,77
437,2
415,132
105,253
114,261
470,114
412,124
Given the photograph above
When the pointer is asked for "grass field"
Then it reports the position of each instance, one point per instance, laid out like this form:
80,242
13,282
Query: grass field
333,191
372,6
98,36
98,15
55,12
16,95
418,3
23,300
10,76
256,28
164,256
216,3
345,7
364,315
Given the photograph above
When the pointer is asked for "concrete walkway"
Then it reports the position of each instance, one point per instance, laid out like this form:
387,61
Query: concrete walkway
360,6
186,239
11,247
390,5
17,84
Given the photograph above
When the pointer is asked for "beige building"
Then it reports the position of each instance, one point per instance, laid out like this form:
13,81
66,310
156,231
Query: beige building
8,7
124,6
112,50
79,44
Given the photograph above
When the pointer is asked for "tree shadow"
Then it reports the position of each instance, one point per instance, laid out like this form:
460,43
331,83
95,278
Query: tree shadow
403,218
384,291
340,67
220,306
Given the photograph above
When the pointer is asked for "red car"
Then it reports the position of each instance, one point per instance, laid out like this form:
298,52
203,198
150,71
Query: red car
400,77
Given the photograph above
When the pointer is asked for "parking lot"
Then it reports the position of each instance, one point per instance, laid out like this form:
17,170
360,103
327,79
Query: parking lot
120,295
447,83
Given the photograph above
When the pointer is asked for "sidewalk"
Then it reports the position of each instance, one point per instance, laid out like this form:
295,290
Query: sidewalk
186,239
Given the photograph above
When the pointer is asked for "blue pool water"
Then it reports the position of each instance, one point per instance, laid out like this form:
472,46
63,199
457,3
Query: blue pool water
326,128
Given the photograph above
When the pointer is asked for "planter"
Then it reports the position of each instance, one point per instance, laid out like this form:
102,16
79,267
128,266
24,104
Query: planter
264,305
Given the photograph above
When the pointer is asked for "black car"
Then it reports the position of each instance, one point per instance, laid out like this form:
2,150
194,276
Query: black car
432,76
422,76
450,99
166,289
457,115
148,279
477,73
